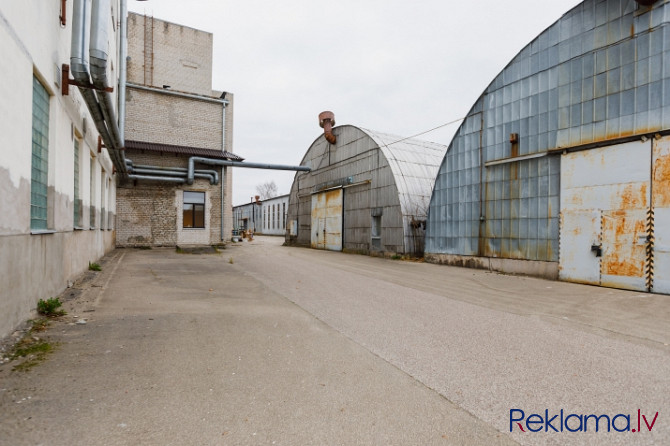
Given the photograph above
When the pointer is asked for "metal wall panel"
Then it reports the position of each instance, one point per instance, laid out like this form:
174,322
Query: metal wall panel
600,73
605,197
400,172
327,220
661,216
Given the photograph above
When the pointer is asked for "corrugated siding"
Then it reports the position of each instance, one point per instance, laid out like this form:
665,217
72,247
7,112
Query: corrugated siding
400,177
599,73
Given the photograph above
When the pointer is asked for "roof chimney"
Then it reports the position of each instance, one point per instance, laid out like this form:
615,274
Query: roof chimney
327,121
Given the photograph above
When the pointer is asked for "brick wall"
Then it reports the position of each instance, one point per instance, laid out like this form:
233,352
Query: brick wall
164,53
150,213
167,119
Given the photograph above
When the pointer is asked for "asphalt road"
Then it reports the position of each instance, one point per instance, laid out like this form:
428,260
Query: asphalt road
264,344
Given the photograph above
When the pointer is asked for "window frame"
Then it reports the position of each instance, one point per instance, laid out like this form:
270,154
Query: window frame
194,205
39,178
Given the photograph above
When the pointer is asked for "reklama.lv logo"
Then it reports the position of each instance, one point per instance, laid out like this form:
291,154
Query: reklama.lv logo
560,422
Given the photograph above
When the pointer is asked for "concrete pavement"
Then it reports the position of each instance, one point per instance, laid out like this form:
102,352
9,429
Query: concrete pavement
264,344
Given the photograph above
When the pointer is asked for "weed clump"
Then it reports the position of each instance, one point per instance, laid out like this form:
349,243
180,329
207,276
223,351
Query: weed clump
50,307
94,266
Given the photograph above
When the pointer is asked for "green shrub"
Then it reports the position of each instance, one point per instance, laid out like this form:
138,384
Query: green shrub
50,307
94,266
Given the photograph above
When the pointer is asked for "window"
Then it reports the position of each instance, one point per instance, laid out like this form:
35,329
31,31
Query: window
77,201
103,209
92,195
283,215
194,209
376,226
40,159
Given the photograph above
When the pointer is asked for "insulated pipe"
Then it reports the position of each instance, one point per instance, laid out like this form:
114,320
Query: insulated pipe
214,162
152,178
100,19
123,67
139,170
182,170
79,67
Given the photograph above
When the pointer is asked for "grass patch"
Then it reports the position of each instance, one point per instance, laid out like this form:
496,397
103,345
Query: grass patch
144,247
94,266
231,261
396,257
31,350
50,307
179,250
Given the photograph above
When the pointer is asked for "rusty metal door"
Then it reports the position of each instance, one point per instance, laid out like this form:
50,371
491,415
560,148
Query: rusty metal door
327,220
660,216
605,200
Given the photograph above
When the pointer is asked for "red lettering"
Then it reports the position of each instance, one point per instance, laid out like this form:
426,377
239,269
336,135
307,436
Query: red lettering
644,417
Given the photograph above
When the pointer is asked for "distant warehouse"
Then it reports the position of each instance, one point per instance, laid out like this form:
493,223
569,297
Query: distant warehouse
367,192
562,167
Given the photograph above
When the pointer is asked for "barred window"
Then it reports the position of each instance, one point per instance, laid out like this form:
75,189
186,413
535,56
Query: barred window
40,158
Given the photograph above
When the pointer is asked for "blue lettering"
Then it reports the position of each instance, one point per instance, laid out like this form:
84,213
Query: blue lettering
597,418
513,420
548,421
626,428
534,419
576,429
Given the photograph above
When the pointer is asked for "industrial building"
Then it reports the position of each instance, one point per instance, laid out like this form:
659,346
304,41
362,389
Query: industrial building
174,121
274,211
266,217
59,164
367,192
562,166
248,217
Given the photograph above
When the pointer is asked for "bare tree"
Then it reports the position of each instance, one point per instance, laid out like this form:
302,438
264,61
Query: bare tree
267,190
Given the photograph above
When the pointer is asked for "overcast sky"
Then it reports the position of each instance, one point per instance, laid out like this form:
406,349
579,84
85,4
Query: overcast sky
394,66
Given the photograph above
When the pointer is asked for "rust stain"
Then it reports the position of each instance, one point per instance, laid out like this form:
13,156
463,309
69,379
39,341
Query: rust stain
577,200
661,180
634,197
618,265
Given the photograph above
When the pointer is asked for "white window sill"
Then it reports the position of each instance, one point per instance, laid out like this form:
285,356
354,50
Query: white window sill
42,231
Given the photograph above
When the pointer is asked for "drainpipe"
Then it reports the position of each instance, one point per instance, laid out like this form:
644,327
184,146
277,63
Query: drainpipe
223,188
196,159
